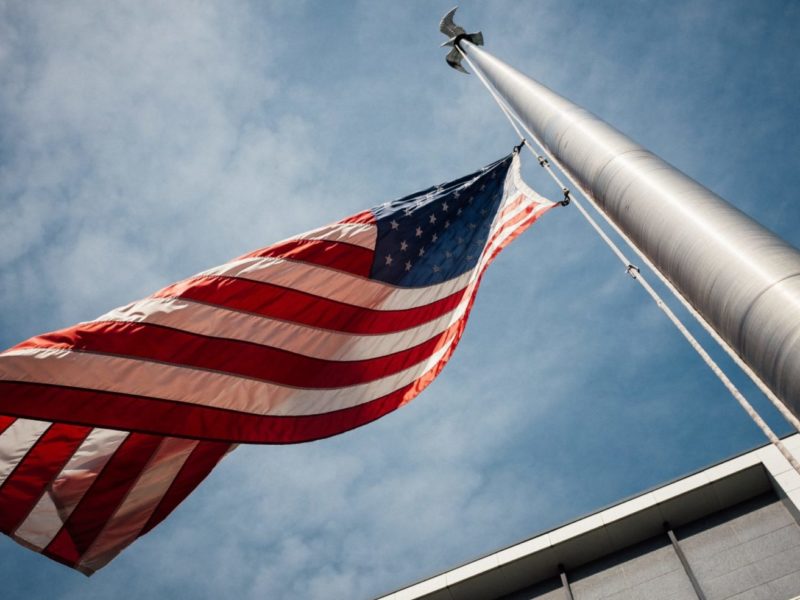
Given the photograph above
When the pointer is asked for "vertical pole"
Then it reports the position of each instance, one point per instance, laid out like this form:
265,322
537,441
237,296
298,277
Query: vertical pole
684,562
565,583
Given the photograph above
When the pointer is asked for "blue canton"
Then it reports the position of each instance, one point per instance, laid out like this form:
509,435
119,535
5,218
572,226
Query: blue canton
438,233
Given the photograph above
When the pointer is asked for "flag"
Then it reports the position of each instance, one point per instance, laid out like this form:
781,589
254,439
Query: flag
106,426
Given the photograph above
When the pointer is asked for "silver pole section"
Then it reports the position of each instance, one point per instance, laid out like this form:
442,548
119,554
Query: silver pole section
742,278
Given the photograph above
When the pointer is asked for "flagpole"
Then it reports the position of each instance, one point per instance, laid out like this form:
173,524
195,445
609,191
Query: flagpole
741,278
634,272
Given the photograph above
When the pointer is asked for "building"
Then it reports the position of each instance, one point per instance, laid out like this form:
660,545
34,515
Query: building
729,531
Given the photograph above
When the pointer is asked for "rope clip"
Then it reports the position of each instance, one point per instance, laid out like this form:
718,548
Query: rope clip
543,162
519,146
632,270
565,201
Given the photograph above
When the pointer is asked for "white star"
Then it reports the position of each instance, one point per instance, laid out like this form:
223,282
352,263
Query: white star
494,173
403,246
422,251
459,212
408,265
445,206
483,187
460,240
434,238
419,231
448,254
457,194
472,226
394,224
408,211
436,268
470,256
446,224
484,211
432,219
388,260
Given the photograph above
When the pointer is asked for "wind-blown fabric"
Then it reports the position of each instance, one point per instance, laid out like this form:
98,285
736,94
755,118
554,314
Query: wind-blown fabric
106,426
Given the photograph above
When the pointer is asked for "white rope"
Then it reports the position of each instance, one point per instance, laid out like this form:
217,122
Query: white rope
516,122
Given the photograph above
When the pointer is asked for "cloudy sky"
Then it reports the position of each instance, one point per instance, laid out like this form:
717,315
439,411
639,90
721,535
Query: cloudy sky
142,142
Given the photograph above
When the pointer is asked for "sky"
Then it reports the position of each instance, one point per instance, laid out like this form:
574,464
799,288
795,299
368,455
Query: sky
142,142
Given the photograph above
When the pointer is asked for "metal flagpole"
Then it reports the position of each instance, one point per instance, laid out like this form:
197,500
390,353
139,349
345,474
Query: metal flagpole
742,279
633,271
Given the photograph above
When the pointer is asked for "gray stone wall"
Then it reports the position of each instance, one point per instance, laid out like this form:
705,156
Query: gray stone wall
748,552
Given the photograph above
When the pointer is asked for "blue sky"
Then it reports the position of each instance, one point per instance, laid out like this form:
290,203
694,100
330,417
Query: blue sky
143,142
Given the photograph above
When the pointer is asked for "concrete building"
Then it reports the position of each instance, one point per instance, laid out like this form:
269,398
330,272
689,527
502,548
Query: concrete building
731,531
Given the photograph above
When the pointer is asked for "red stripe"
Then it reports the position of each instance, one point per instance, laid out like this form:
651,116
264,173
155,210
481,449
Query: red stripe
22,490
6,422
336,255
158,416
154,342
291,305
365,216
200,463
103,498
520,223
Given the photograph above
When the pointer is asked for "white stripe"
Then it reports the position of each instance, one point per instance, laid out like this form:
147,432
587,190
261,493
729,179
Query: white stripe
358,234
68,488
313,342
194,386
15,442
336,285
142,499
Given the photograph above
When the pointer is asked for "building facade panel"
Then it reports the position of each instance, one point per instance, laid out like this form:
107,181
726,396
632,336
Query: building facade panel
740,551
728,532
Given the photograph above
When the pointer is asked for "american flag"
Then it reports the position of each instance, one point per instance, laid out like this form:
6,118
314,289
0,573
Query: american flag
106,426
